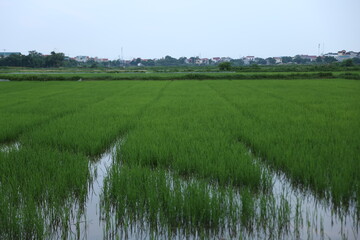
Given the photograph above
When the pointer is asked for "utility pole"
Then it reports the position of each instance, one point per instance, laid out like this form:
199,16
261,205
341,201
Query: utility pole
122,57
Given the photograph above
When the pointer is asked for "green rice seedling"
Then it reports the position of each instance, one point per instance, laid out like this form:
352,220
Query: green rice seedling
94,128
29,108
35,185
54,202
138,194
191,134
184,169
307,129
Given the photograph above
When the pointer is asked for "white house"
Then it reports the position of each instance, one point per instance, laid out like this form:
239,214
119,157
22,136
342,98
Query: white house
248,59
278,60
82,58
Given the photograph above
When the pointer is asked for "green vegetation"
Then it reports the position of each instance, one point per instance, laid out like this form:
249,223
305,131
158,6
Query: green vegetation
303,129
183,168
225,66
56,60
180,76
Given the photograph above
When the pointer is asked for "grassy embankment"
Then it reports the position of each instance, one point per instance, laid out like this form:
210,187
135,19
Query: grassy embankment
148,75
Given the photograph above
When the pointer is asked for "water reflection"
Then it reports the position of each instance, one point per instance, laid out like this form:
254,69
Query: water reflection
286,212
12,146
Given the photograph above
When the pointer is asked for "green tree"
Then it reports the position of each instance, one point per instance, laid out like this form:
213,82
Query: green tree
224,66
300,60
135,61
271,60
328,59
260,61
54,59
71,63
237,62
34,59
348,63
356,60
167,61
286,59
149,62
14,60
319,59
182,60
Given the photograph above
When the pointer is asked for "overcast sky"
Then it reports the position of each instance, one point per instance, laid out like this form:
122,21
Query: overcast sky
156,28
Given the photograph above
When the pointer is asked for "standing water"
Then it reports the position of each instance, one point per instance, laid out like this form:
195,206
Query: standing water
90,226
13,146
307,217
311,217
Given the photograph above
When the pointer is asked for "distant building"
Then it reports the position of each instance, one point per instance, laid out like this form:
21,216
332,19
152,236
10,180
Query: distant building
308,57
341,58
341,53
205,61
353,54
216,59
189,61
146,60
6,54
86,58
202,61
82,58
330,55
248,59
102,60
226,59
198,61
278,60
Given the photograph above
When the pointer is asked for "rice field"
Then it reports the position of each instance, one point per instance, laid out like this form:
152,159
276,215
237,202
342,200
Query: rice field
216,159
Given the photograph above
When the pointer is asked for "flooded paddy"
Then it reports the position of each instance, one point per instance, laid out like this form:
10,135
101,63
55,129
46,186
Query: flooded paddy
292,214
91,226
286,212
182,171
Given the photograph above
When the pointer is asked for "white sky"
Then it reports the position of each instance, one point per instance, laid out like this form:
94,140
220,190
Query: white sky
153,29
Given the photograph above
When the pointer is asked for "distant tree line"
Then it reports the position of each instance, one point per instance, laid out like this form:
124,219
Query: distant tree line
37,60
166,61
34,60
